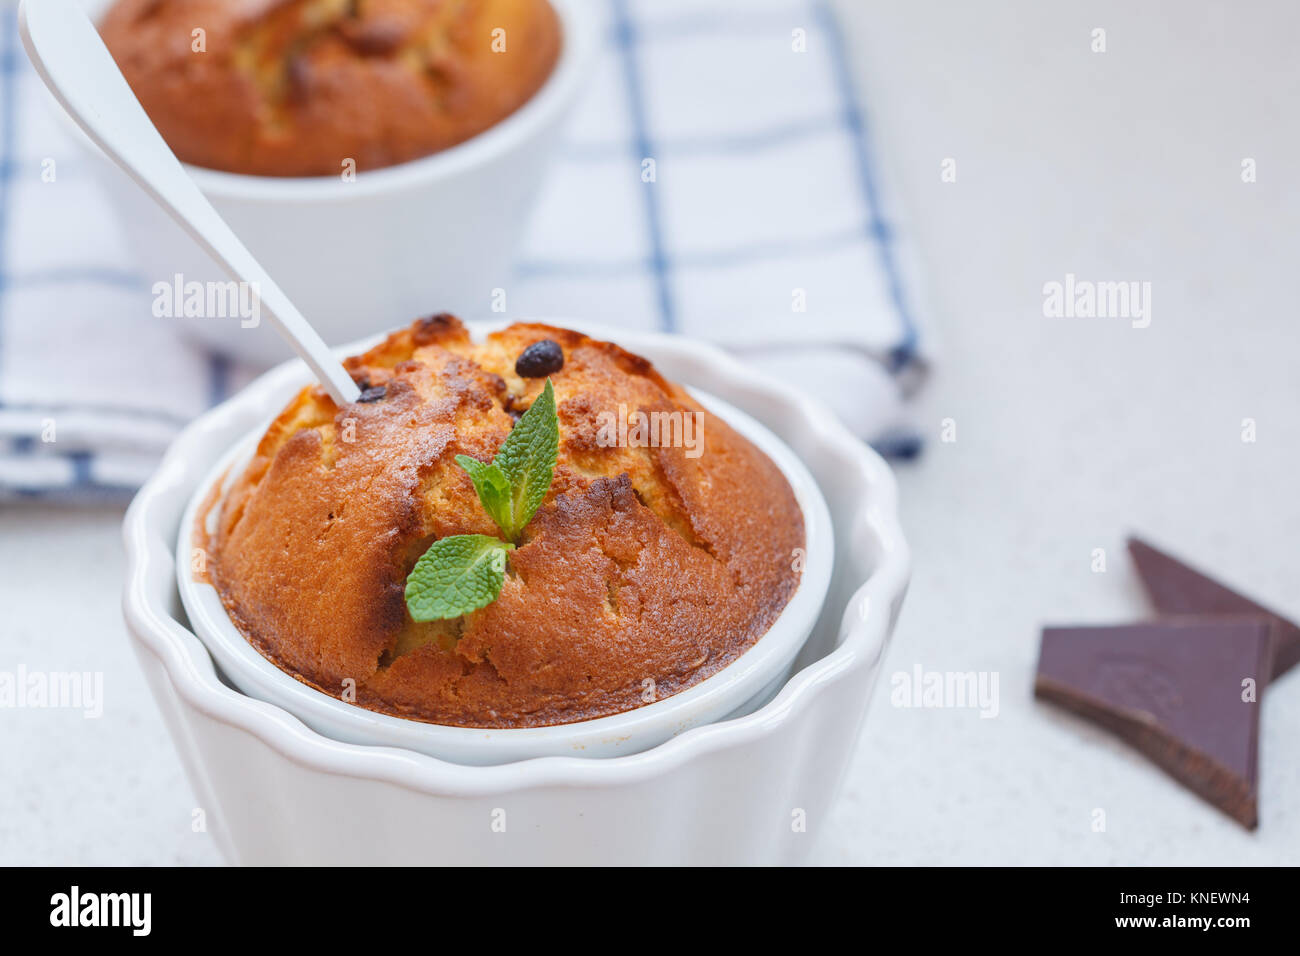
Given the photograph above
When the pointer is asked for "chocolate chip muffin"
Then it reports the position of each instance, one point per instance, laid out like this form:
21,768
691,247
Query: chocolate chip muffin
299,87
648,566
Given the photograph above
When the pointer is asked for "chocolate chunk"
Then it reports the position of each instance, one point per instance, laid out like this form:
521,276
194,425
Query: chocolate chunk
373,394
1174,690
432,328
540,359
374,37
301,79
1175,588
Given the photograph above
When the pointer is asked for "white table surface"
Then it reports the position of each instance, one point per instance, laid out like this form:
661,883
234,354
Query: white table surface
1115,166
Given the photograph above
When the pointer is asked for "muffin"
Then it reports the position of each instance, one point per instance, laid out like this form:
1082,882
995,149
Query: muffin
648,566
299,87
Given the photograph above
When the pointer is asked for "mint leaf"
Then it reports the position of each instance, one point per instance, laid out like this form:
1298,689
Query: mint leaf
527,457
493,489
455,576
465,572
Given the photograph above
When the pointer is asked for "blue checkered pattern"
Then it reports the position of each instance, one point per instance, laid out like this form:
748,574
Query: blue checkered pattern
765,183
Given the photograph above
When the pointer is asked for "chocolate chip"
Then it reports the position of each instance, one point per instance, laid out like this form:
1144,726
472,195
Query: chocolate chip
301,79
433,327
540,359
373,394
374,37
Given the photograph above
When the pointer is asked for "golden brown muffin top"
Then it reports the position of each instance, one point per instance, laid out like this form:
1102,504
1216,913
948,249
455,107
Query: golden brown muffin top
297,87
645,570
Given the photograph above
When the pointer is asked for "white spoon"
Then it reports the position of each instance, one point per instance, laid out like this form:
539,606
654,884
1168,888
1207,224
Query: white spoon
74,63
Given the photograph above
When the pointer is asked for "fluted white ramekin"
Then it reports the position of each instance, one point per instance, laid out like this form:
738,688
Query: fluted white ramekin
752,789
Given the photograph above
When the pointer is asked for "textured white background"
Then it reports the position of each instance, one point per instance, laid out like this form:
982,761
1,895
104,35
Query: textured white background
1123,165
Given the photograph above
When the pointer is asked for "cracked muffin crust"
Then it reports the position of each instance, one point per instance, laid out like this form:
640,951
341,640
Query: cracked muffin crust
295,87
645,570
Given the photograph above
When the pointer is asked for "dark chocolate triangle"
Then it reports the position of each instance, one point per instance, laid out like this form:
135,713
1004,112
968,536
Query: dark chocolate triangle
1175,588
1173,690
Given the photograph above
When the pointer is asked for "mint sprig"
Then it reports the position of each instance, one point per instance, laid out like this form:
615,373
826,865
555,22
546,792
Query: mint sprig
465,572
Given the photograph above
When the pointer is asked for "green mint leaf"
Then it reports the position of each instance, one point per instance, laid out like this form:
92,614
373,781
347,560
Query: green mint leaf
455,576
527,457
493,489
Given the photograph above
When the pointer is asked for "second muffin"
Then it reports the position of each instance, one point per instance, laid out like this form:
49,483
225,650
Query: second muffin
297,87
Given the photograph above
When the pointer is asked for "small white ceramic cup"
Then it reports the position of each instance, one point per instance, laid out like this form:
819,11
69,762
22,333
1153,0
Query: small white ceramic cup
739,688
358,257
718,794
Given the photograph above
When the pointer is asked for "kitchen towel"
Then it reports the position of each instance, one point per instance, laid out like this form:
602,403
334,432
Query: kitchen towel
718,181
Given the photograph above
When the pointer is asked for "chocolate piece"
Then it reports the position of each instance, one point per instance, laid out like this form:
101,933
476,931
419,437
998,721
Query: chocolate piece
540,359
374,37
1172,689
372,394
1175,588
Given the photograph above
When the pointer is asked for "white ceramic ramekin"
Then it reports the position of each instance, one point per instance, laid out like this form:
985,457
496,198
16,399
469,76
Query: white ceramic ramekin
752,789
360,257
739,688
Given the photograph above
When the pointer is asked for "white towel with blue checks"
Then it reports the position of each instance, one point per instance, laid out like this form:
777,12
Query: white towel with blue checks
765,229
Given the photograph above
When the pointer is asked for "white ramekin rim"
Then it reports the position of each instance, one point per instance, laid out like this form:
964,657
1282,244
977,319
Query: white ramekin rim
578,23
740,683
865,624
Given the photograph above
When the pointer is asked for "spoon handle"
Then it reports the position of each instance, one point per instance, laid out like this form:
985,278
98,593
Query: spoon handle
76,66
